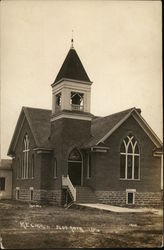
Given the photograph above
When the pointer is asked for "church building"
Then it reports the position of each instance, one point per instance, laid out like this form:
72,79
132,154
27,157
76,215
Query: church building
68,155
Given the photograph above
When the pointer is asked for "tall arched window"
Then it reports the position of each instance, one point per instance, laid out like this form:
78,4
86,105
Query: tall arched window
25,165
129,159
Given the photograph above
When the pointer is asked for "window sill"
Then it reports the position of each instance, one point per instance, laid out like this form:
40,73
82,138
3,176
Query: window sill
123,179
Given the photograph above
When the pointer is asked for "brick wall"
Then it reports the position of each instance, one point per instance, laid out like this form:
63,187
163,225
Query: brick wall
26,183
54,196
108,164
119,198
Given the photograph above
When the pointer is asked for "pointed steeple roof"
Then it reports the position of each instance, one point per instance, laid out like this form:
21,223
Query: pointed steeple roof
72,68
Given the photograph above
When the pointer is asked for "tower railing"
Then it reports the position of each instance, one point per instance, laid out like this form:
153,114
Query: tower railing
66,182
77,107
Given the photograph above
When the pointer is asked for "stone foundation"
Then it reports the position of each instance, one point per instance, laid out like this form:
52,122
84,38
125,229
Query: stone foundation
54,196
119,198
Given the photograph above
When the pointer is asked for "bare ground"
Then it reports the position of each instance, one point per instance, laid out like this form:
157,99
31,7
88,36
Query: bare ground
23,226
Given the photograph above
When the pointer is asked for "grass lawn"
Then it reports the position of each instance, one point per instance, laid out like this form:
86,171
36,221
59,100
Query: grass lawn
24,226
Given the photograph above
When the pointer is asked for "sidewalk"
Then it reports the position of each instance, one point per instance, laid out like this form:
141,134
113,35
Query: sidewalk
120,209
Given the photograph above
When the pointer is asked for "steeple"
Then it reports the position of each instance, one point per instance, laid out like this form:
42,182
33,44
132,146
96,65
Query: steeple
72,68
71,89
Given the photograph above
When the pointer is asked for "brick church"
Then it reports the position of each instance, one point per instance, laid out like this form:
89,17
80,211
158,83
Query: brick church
69,155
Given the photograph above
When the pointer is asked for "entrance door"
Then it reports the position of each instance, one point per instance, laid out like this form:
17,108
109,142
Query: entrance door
75,167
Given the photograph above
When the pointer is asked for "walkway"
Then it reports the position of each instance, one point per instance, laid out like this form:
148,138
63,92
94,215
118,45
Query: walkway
120,209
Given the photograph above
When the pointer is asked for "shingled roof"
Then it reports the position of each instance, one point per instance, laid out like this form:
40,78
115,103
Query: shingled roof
72,68
39,121
103,125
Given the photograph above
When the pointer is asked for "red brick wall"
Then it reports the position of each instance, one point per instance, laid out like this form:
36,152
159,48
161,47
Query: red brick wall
25,184
108,164
67,134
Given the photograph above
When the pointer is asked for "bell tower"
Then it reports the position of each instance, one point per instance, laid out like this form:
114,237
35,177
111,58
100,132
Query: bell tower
71,117
71,90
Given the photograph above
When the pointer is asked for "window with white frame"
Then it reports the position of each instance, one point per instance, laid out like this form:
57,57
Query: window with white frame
55,168
31,193
130,196
25,160
130,159
88,166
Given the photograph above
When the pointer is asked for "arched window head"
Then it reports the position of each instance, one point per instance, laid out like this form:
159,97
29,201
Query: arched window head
77,101
75,155
129,158
25,160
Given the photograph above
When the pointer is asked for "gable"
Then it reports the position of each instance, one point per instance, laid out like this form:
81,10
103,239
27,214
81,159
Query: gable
141,123
103,127
38,122
21,128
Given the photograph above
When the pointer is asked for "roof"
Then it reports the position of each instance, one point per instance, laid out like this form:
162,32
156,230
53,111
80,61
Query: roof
103,127
5,164
72,68
39,122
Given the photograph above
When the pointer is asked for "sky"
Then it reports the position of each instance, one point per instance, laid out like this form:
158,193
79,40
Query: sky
118,42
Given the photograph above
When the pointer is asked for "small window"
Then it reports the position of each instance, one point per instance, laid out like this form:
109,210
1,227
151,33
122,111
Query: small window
2,183
31,195
130,197
89,166
55,168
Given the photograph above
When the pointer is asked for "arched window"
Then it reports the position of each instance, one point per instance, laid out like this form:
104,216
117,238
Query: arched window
25,165
74,155
55,168
129,158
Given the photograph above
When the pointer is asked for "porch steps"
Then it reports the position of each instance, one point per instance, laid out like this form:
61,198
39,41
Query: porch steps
85,195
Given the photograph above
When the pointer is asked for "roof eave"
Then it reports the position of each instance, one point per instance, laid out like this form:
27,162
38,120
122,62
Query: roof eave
71,80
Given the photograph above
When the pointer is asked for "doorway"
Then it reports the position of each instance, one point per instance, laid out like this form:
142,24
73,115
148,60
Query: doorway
75,167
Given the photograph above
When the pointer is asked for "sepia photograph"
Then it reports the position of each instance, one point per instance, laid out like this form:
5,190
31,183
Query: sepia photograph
81,124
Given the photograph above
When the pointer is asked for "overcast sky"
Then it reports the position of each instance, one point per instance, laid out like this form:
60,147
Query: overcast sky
118,42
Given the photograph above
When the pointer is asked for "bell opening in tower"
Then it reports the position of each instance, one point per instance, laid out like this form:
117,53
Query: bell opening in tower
77,101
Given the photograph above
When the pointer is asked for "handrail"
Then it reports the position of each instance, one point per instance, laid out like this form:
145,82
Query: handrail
77,107
67,182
